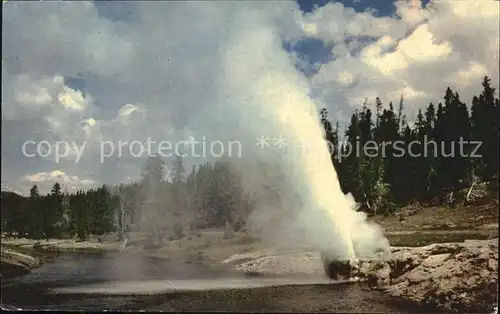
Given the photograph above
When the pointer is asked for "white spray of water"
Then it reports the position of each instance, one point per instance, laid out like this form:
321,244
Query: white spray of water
268,84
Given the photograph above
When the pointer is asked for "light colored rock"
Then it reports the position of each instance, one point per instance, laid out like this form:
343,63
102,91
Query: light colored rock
297,263
377,273
457,277
451,277
14,263
434,260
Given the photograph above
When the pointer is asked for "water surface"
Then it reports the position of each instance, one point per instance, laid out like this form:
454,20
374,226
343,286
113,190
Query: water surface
110,281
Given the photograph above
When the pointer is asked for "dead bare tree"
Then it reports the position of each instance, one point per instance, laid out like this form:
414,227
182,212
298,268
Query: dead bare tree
451,198
470,196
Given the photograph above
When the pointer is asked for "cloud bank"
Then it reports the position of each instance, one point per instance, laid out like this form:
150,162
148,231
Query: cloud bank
74,71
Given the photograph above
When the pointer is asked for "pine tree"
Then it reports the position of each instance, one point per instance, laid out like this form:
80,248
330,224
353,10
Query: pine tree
327,126
440,135
15,213
452,127
35,214
381,188
387,135
365,124
79,206
353,164
421,166
430,151
53,215
103,213
331,138
400,113
485,128
66,229
407,180
368,162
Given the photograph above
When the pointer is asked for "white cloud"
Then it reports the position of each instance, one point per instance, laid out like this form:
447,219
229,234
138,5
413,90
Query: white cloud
334,22
345,78
5,187
411,12
408,93
42,96
38,97
468,75
158,76
179,69
419,47
127,110
45,181
71,99
426,51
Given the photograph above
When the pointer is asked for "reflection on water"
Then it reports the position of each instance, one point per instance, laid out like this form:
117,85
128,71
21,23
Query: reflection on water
131,282
176,285
89,267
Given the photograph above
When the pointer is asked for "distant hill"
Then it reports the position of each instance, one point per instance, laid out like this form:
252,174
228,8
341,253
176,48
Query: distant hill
11,204
8,197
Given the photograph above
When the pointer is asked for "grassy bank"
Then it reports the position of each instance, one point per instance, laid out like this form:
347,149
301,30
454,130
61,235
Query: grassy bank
424,226
59,245
416,239
210,247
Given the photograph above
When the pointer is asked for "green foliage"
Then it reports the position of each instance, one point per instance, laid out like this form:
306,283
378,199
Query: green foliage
389,177
211,195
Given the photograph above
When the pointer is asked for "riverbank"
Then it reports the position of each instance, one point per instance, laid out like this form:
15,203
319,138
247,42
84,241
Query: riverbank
440,259
55,245
412,226
449,277
113,282
452,277
15,264
214,246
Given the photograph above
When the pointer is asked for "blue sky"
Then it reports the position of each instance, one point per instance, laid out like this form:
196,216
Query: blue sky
175,69
315,51
312,51
382,7
124,10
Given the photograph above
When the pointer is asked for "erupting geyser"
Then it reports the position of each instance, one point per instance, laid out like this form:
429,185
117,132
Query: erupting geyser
267,81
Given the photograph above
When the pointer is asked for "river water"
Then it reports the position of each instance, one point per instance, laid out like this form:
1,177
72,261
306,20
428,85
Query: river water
112,281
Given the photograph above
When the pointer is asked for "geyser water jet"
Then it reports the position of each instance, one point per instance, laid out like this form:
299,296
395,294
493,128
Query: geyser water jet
278,95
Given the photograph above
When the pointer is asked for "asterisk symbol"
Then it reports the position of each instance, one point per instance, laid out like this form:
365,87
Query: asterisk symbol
262,141
280,142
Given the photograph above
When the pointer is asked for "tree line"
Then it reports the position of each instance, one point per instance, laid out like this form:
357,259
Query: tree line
58,214
385,181
211,195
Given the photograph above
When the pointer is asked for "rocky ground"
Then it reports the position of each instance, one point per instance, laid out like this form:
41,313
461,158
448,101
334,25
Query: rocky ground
450,277
456,275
